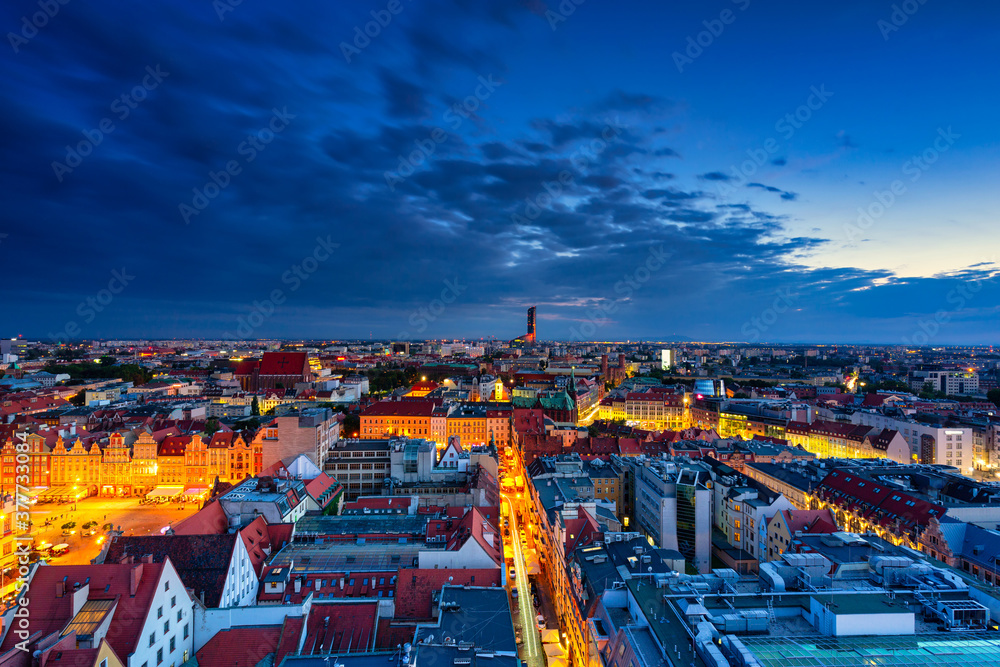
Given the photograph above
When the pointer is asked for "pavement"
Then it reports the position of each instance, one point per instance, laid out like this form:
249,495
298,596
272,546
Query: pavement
126,513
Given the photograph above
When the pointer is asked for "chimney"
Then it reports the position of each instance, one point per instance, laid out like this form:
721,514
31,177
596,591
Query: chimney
60,588
135,576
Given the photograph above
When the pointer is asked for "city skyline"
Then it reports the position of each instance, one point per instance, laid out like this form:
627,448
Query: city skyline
727,172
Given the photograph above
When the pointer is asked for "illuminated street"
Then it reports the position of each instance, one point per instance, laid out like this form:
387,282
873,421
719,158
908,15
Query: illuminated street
532,642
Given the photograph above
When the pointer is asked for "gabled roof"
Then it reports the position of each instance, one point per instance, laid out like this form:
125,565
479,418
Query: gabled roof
209,520
49,613
809,521
174,445
472,526
202,561
319,486
284,363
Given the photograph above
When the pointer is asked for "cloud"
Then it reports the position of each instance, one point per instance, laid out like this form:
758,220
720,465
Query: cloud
788,196
403,98
462,211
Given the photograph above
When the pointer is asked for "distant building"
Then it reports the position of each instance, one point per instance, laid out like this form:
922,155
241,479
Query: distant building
274,370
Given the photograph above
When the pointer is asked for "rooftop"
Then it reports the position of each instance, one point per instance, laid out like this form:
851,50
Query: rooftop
968,649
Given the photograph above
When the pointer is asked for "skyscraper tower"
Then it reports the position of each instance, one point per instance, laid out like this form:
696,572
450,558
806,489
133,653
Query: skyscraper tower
530,336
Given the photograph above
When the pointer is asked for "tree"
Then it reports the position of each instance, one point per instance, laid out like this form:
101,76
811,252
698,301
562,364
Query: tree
593,431
351,425
994,396
211,426
107,360
255,407
78,398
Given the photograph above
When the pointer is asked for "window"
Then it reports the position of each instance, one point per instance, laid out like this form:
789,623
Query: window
159,656
166,627
159,612
166,585
173,601
152,638
173,644
180,615
185,631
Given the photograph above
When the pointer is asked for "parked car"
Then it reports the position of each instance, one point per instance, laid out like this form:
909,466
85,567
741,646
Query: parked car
513,573
540,622
513,593
67,533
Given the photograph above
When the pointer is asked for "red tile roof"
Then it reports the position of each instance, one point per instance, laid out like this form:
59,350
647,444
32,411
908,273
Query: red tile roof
340,627
809,521
291,630
256,539
174,445
415,587
49,613
239,647
318,486
284,363
210,520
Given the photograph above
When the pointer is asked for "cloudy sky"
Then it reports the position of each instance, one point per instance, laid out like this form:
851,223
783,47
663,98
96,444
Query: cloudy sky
725,170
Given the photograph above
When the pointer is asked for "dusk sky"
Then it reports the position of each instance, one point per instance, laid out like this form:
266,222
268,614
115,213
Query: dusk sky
635,170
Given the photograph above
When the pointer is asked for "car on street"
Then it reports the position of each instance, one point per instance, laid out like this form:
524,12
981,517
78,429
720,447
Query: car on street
540,622
513,574
513,593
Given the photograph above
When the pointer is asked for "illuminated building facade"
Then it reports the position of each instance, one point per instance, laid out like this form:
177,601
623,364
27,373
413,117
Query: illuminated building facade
121,470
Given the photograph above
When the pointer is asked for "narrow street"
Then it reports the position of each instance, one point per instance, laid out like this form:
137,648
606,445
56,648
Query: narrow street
534,655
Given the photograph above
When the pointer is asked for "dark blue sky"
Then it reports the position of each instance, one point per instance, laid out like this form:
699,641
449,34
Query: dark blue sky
636,170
